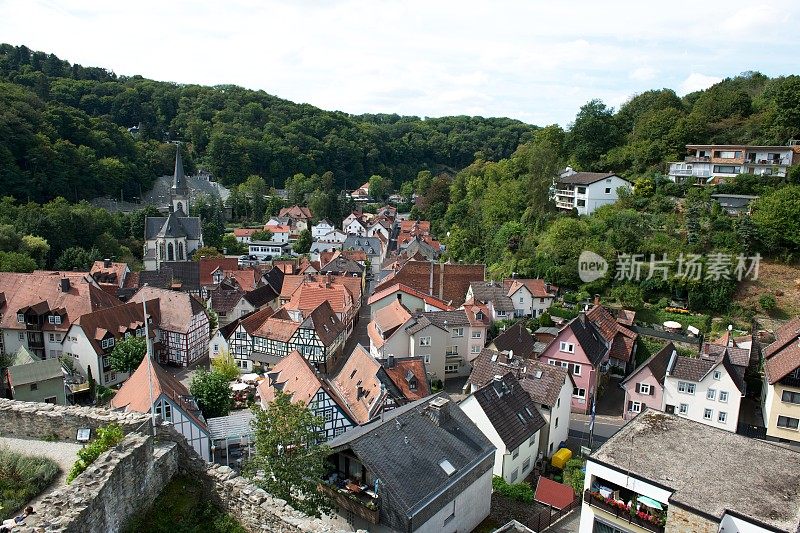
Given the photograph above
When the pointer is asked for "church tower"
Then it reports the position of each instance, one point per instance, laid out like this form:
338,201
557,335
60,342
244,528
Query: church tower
179,194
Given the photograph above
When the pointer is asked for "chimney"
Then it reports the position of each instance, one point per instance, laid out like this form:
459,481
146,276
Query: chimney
65,284
596,299
107,263
582,317
438,410
430,284
400,297
441,281
360,392
327,281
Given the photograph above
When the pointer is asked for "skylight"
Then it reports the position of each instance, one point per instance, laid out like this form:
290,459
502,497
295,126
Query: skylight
447,467
538,374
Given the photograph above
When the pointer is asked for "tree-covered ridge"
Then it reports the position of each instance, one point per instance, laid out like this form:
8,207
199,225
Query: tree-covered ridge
63,132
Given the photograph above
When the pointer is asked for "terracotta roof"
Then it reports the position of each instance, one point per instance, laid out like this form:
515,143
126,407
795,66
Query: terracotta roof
430,300
116,321
113,274
277,228
312,293
293,375
245,232
553,493
210,264
621,339
353,255
657,363
177,308
783,355
297,212
518,339
134,395
360,370
401,374
543,382
325,257
247,279
415,226
40,291
785,334
386,321
477,314
273,327
450,281
626,317
537,287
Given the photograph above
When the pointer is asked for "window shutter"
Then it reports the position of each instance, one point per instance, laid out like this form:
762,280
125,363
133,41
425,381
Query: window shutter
637,388
630,405
652,390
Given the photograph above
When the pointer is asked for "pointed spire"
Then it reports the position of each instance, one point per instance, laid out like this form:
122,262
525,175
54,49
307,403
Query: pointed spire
179,178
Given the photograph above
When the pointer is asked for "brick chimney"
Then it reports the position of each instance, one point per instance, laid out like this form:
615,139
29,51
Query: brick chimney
438,410
596,299
107,263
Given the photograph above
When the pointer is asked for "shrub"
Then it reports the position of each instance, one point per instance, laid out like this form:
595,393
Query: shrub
767,302
561,312
574,474
22,477
107,437
225,365
521,492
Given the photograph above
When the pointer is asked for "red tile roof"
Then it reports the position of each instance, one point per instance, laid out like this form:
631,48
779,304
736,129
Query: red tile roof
621,339
178,309
360,370
294,376
296,212
552,493
312,293
783,355
387,319
391,289
117,320
450,281
537,287
111,275
401,371
245,232
209,264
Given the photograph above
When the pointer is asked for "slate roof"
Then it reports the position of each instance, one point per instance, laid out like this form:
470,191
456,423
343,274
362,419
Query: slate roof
492,291
179,185
274,278
510,409
342,265
224,300
188,272
405,448
518,339
590,339
261,296
738,356
586,178
450,281
657,363
324,321
371,246
173,225
752,478
541,381
697,368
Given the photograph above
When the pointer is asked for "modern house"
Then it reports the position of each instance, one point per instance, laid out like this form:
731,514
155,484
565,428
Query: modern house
91,339
586,191
268,250
423,467
36,309
580,348
294,376
644,387
245,235
549,386
780,394
713,163
508,416
171,401
183,326
176,236
29,379
651,476
381,331
735,204
707,389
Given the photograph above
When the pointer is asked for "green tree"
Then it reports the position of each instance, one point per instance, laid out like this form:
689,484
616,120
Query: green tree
16,262
379,187
263,235
206,251
225,365
289,455
77,258
127,354
777,218
231,246
303,243
767,302
212,392
37,248
593,134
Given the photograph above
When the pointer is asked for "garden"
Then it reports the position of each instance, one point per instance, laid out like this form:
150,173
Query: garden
22,478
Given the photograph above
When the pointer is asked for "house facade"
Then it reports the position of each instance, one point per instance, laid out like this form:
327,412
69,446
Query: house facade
713,163
411,298
586,191
509,418
321,228
644,388
32,380
780,393
530,297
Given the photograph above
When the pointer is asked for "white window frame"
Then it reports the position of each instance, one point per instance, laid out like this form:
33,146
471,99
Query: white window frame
477,334
717,375
683,409
457,333
578,395
722,417
708,414
644,388
424,341
475,349
21,318
426,358
576,369
684,386
723,396
566,347
636,407
711,394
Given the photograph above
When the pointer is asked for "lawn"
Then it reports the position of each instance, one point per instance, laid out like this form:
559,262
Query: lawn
22,478
182,508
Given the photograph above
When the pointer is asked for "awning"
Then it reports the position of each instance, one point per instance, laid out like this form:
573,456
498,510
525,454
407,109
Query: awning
650,502
236,387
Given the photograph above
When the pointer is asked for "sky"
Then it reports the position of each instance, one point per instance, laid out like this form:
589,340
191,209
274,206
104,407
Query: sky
530,60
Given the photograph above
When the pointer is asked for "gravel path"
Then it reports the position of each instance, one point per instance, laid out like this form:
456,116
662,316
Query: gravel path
63,453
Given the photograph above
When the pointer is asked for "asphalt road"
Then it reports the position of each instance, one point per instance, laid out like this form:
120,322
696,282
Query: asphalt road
604,428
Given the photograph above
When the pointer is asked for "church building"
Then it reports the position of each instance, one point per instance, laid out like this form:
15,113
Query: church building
176,236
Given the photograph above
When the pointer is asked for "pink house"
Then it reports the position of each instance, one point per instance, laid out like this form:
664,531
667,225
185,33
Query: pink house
582,350
645,386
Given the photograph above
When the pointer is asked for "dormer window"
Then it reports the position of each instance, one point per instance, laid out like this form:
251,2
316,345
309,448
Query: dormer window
107,343
21,318
54,319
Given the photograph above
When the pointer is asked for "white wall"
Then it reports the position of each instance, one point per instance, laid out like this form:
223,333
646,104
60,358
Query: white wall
85,357
697,402
561,412
596,195
732,524
471,508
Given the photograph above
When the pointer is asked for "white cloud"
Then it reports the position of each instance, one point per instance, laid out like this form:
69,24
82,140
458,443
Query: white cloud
697,82
536,60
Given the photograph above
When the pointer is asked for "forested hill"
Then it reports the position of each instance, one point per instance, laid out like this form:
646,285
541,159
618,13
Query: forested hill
63,132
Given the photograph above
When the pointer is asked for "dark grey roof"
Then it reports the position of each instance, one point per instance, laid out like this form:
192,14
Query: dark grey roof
448,319
342,265
161,279
188,272
510,409
657,363
697,368
223,301
418,323
492,291
172,226
274,278
589,338
36,372
518,339
586,178
179,185
261,296
370,245
405,449
418,246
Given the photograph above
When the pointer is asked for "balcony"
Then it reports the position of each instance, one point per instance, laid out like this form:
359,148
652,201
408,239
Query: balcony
351,498
696,159
564,205
700,173
621,511
565,192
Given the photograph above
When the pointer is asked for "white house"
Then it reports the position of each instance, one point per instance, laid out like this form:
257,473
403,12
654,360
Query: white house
333,236
171,401
703,389
713,163
268,250
280,232
679,475
321,228
508,416
356,227
586,191
531,297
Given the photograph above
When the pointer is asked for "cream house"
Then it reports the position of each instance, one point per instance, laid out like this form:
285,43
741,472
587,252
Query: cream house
780,396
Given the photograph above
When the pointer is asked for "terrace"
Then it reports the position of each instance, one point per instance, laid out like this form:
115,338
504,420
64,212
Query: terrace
626,505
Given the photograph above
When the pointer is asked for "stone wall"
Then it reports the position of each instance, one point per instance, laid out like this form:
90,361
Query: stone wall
683,521
121,483
46,421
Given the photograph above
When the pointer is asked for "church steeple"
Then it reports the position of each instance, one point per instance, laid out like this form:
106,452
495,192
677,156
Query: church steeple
180,190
